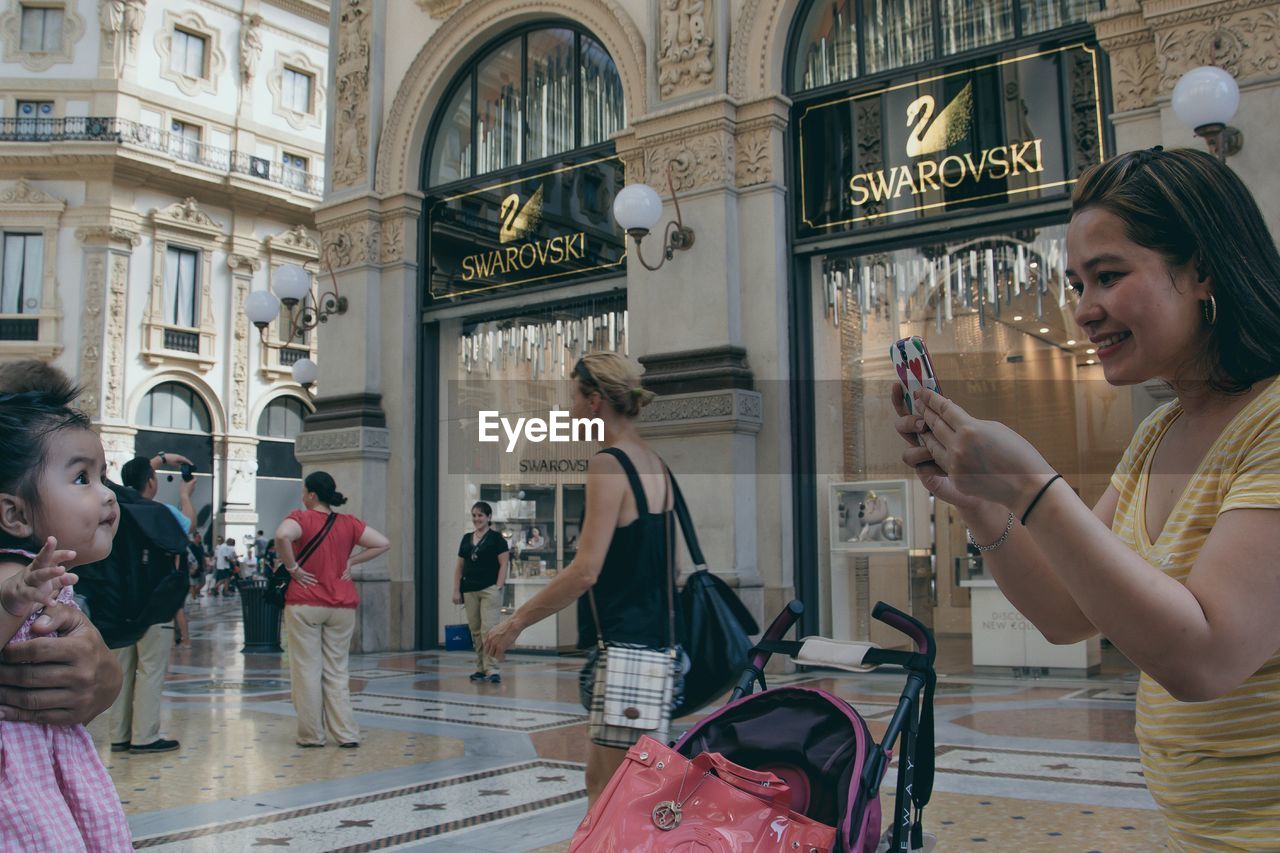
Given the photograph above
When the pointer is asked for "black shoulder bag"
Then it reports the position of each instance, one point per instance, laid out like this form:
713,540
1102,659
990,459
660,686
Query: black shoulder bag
278,586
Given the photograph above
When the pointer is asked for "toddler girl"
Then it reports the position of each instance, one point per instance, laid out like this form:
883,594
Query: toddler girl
55,511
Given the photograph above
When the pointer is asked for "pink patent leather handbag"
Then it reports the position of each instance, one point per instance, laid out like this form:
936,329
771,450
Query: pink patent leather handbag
660,800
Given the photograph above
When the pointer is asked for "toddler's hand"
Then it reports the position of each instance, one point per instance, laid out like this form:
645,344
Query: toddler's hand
39,583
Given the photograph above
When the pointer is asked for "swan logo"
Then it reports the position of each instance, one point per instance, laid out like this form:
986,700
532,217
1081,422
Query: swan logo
946,129
937,133
517,223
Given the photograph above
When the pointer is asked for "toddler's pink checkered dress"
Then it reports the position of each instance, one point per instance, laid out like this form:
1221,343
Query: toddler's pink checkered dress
55,795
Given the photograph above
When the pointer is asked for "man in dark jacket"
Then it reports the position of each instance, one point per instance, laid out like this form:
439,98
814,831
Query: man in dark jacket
135,716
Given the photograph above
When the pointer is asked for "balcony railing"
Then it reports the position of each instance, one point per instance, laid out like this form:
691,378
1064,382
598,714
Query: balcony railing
130,133
290,356
12,329
181,341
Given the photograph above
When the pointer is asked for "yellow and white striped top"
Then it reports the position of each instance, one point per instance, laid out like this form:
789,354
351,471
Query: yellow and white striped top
1212,767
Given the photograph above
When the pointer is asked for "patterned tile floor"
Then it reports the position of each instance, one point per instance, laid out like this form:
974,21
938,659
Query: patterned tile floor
449,765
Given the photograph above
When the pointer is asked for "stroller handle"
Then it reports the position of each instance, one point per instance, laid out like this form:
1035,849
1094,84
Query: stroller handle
777,629
913,628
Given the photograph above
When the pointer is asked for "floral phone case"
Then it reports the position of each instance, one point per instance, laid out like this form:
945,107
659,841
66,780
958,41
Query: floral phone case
914,367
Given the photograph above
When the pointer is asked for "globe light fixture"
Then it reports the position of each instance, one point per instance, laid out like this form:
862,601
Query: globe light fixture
305,373
638,209
1205,99
292,286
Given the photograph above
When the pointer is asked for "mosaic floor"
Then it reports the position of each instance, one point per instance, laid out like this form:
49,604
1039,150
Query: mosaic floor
449,765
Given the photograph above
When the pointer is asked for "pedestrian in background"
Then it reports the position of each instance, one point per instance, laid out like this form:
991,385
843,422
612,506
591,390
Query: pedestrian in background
479,578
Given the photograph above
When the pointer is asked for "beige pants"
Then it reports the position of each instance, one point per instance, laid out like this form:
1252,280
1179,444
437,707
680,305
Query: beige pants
319,650
135,715
484,612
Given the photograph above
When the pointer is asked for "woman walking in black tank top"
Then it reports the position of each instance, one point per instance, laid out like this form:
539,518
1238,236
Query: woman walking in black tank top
622,527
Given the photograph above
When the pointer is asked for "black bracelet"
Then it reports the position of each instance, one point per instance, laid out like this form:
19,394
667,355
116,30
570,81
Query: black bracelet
1038,496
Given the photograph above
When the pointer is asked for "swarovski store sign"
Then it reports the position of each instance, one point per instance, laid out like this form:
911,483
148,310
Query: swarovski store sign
551,227
1021,127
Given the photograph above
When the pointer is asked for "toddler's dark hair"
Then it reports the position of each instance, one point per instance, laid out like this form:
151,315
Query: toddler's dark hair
28,418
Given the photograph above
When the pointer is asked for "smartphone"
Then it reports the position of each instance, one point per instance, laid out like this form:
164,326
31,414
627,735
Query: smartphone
914,367
186,470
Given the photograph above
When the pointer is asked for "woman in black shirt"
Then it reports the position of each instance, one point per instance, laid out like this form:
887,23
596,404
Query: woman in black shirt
478,581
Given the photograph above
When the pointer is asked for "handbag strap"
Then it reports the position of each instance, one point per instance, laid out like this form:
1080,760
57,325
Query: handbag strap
642,509
315,541
686,523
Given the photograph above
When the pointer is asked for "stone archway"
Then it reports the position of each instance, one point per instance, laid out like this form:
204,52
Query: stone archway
758,50
447,50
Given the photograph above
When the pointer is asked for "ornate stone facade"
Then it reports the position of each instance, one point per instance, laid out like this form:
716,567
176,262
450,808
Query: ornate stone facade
37,61
1152,44
92,318
115,349
685,60
351,121
349,243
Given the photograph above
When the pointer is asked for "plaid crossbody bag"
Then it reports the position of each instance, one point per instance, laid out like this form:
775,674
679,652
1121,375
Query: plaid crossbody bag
634,685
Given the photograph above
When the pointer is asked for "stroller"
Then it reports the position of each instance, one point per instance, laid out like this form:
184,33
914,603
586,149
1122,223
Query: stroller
819,745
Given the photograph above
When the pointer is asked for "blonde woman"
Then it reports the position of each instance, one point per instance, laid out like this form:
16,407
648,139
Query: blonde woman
622,552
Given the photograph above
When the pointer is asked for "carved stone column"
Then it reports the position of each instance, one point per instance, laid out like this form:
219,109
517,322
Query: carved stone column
107,251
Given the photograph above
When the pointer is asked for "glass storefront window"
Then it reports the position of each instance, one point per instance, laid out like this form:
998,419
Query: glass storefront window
550,82
451,155
499,113
897,33
969,24
1039,16
828,46
537,95
603,112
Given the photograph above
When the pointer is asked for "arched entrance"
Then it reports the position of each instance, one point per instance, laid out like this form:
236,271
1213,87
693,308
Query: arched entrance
279,482
173,418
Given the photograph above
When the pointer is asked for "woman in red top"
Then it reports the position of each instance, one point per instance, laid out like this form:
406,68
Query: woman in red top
320,609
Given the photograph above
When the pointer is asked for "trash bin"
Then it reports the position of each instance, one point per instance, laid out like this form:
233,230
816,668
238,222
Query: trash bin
261,619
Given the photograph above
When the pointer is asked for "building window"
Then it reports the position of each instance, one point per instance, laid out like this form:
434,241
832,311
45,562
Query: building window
173,406
41,29
296,90
21,273
282,418
294,170
181,293
186,55
847,39
35,119
538,95
184,140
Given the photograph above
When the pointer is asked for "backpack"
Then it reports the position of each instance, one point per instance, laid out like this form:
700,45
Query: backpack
143,581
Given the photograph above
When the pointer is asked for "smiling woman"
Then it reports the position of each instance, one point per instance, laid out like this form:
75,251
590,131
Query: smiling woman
1179,280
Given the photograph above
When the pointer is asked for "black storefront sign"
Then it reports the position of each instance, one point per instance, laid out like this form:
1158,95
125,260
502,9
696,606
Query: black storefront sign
551,227
1019,127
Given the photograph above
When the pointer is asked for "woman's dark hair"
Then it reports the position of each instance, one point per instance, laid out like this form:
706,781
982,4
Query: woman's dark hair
325,488
1189,206
28,419
483,507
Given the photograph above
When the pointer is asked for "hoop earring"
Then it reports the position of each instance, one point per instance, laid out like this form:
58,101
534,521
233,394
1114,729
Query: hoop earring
1209,308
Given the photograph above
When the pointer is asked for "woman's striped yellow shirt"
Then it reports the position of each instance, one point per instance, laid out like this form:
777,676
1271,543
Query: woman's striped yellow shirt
1212,767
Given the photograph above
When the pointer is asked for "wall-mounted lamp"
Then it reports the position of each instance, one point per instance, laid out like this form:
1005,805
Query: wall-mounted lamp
637,208
1205,99
292,285
305,373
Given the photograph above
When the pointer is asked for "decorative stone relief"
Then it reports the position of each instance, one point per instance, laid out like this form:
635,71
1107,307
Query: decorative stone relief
696,162
753,159
349,244
298,239
187,212
115,354
215,60
1133,77
439,9
240,356
1243,41
23,193
108,234
250,50
711,412
353,442
685,61
391,242
351,135
95,275
39,60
